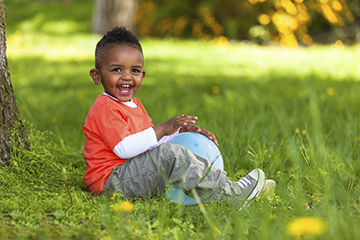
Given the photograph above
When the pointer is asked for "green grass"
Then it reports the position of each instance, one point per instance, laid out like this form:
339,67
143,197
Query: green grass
256,100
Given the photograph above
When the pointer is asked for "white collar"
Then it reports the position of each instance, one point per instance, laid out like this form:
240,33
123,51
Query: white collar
129,103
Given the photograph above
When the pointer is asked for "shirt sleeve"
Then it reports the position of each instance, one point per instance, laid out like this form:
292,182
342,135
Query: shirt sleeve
136,144
140,142
165,139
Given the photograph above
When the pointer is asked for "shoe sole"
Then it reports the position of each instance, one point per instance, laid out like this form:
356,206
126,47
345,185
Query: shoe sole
270,185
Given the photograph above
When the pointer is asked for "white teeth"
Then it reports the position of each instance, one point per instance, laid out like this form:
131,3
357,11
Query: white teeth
125,85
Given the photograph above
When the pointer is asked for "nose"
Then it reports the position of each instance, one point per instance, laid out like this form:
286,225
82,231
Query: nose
126,76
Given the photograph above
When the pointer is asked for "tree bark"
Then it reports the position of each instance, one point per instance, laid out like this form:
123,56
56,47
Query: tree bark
9,113
112,13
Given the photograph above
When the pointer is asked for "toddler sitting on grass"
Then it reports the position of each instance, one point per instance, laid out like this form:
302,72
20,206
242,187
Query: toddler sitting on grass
125,152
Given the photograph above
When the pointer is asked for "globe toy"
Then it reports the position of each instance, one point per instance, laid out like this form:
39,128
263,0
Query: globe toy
200,145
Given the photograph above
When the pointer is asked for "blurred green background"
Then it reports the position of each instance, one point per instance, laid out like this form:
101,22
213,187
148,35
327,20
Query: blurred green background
236,84
288,22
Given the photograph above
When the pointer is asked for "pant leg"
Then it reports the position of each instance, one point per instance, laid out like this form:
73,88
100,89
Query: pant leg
137,177
147,174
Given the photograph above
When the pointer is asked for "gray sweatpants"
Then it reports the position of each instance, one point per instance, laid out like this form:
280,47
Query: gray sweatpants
148,174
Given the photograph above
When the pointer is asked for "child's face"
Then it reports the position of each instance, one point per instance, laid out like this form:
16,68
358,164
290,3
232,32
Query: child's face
121,71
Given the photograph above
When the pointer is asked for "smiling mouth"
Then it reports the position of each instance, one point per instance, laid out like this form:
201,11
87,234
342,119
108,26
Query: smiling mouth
125,88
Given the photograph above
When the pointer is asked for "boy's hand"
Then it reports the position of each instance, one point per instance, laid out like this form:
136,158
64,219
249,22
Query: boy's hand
172,125
201,130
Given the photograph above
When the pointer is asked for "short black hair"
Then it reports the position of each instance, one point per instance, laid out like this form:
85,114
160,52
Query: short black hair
117,36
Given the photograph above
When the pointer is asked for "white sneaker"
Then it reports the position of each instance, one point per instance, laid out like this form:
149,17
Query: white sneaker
270,185
251,185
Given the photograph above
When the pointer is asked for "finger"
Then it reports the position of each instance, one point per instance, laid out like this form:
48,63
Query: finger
184,118
189,117
211,136
215,141
185,122
194,128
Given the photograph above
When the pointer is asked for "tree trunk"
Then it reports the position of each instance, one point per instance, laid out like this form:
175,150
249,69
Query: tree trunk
9,113
112,13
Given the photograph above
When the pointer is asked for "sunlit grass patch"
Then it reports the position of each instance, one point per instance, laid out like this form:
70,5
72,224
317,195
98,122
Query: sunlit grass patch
251,62
51,48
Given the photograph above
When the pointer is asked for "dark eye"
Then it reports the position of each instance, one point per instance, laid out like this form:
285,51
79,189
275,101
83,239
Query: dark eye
116,70
135,70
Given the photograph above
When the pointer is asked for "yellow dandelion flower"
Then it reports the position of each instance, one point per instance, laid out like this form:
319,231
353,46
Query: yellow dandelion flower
297,131
124,206
53,120
178,79
303,132
330,91
215,89
114,196
306,226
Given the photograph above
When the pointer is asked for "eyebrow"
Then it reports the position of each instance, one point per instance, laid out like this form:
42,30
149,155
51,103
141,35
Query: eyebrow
119,65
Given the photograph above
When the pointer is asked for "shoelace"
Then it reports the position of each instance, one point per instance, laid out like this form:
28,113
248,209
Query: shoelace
244,182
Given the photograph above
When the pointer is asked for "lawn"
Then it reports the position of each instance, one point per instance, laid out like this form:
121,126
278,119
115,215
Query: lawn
292,112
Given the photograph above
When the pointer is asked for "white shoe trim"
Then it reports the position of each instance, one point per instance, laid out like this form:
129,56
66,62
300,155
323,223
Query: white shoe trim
260,183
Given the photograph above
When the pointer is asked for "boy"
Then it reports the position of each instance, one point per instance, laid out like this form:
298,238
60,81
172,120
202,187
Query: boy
125,152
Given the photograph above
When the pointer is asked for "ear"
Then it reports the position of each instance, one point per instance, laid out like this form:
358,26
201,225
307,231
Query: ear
95,75
143,75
